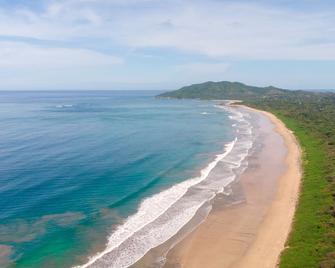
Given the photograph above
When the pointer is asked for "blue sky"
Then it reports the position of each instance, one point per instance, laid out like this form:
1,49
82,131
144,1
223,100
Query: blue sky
165,44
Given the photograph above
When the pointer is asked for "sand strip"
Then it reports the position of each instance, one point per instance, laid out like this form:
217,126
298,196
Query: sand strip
253,233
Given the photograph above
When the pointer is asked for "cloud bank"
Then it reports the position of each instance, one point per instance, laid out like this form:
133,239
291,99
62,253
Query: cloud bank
98,33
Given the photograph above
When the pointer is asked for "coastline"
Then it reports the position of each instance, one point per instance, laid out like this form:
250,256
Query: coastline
239,211
269,244
253,232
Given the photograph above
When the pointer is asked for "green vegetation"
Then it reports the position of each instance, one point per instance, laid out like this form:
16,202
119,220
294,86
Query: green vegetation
312,240
216,90
311,116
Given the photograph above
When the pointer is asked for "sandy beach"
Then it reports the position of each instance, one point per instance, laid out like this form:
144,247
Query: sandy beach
251,233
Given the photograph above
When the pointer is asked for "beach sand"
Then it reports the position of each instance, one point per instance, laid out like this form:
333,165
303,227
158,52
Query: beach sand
253,232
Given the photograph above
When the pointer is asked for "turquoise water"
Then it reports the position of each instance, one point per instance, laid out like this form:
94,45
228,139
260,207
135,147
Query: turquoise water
75,165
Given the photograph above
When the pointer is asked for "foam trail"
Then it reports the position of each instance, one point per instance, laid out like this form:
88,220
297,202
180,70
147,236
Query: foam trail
152,207
162,215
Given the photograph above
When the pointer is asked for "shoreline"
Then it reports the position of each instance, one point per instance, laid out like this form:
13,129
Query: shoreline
184,206
269,244
251,233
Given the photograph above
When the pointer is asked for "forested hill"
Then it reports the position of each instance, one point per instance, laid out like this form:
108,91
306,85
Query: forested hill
224,90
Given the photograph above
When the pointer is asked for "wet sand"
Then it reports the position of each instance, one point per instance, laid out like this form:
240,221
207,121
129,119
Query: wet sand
251,233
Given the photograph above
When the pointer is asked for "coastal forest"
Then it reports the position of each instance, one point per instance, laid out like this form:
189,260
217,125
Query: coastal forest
311,116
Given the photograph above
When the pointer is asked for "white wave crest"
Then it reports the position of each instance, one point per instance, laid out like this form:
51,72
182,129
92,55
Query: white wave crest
162,215
153,207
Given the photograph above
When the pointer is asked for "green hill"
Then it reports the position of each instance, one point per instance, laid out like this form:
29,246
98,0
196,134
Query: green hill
224,90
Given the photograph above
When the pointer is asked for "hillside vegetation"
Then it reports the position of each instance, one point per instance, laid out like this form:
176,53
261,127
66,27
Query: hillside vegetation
311,115
224,89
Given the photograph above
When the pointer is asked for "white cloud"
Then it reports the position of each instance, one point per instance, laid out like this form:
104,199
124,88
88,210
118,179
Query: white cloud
200,71
238,31
24,66
213,28
209,36
14,55
200,67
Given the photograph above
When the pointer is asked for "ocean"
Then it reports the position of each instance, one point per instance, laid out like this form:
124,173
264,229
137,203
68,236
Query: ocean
98,178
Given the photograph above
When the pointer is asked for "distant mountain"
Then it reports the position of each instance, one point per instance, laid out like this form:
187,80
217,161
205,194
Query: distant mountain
224,90
323,90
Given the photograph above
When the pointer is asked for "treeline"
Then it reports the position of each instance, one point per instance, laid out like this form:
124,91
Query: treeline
316,111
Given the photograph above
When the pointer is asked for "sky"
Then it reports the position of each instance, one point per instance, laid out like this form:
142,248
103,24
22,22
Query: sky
165,44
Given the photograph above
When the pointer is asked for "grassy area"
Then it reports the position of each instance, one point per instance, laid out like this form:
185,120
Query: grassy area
312,240
309,242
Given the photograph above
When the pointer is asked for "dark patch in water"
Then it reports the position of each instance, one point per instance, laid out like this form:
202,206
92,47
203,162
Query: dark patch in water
23,231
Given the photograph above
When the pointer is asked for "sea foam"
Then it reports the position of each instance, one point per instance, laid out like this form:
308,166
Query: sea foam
162,215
